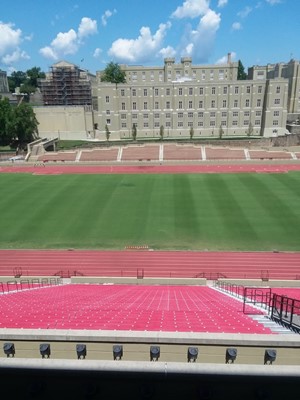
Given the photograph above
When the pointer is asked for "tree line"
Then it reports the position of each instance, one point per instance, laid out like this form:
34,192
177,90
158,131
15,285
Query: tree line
18,124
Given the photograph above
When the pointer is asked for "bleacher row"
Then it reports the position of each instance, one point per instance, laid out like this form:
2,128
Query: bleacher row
32,283
166,152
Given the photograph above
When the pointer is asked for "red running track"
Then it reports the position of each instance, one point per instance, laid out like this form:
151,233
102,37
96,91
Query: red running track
175,264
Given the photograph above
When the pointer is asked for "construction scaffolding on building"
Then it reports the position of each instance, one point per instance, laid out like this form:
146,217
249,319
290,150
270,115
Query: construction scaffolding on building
66,84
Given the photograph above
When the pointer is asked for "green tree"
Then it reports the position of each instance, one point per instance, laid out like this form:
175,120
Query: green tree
24,125
241,75
113,73
191,132
134,132
5,122
221,132
107,132
33,75
16,79
161,132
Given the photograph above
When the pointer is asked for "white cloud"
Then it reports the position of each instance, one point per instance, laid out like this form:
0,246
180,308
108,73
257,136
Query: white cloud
87,27
168,51
191,9
97,53
272,2
67,43
222,3
15,56
10,41
236,26
107,15
199,43
141,49
224,59
245,12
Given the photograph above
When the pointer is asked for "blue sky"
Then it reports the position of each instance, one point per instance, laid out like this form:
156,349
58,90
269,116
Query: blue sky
91,33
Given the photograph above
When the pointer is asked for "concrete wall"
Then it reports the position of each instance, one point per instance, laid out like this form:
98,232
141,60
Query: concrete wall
139,281
261,283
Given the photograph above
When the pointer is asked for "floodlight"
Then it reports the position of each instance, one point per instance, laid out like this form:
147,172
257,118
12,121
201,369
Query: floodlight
81,351
45,350
192,354
117,351
154,353
270,356
231,354
9,349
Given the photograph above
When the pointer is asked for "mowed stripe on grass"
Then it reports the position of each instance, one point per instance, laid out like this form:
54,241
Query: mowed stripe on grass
164,211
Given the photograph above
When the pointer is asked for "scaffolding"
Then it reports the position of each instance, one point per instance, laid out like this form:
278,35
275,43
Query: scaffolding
65,85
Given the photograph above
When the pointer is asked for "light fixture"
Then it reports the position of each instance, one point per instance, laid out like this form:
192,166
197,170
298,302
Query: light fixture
117,351
231,354
45,350
154,353
192,354
9,349
81,351
270,356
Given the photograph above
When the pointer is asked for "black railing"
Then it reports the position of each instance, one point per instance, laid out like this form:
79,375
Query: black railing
286,312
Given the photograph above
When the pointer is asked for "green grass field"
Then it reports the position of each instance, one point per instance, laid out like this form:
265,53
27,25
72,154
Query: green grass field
180,211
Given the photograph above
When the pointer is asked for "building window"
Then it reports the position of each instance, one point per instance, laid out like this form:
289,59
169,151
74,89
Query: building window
203,75
190,124
235,103
156,105
224,103
180,124
168,91
213,90
213,103
145,105
275,122
224,114
156,92
257,122
146,116
258,113
134,92
145,92
248,89
236,90
123,125
190,91
122,92
134,105
211,74
160,76
107,112
152,76
277,101
156,124
247,103
180,105
276,113
143,76
201,90
168,124
108,121
212,114
247,114
134,76
190,104
134,116
180,91
180,115
123,116
146,125
259,89
168,115
246,122
224,123
168,105
123,106
200,114
235,114
278,89
200,104
221,74
200,123
234,123
258,103
225,90
212,123
156,115
107,99
190,115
